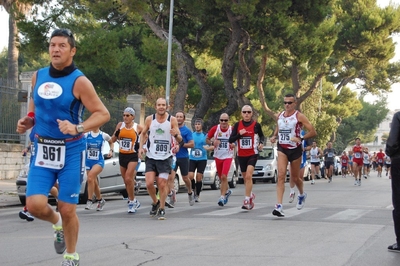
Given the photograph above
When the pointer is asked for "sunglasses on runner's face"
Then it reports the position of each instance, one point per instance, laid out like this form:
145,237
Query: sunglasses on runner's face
124,115
223,120
246,112
287,103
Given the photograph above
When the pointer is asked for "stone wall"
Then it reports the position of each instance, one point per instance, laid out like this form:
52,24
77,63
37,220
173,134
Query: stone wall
11,160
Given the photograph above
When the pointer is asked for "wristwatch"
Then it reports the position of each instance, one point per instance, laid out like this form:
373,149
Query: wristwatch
80,128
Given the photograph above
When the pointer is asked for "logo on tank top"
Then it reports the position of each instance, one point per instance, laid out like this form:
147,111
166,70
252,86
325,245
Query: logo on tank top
50,90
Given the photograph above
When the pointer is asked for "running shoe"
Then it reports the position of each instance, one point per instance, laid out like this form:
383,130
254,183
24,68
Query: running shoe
301,200
70,260
291,196
59,241
221,201
191,199
169,202
100,205
252,196
330,180
355,182
161,214
227,194
365,176
131,207
136,204
394,248
248,204
89,205
196,198
25,215
312,182
154,208
359,182
278,211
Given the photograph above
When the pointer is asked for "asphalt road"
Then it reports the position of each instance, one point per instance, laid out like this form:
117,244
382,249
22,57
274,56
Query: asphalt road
341,224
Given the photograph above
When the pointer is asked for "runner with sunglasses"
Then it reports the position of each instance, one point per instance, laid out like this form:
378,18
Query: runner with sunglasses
250,140
289,125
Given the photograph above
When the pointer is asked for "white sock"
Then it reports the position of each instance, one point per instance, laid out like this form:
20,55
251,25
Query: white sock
292,190
247,198
59,223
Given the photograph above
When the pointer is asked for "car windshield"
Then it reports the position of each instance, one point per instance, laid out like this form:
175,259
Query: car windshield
266,154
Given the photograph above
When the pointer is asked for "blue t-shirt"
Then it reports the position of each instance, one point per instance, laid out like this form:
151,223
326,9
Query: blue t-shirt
187,136
198,153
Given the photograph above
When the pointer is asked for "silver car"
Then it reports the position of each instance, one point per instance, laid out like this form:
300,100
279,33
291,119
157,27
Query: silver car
141,180
266,167
110,180
211,178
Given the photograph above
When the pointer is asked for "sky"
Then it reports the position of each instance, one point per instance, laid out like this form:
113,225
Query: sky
393,102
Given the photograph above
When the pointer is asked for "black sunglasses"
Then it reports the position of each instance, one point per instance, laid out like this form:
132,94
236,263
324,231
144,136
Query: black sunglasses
223,120
287,102
124,115
246,112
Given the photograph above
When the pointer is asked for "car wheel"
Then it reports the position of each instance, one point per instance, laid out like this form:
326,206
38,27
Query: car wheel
176,184
22,199
274,178
83,197
216,185
232,184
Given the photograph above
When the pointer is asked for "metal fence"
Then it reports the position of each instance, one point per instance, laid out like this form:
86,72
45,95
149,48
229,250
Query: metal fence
10,110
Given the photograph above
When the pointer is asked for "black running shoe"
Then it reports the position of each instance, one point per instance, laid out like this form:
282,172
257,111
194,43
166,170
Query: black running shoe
154,208
394,248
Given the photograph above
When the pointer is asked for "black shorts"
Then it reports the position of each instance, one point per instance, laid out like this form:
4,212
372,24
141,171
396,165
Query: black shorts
125,159
315,163
183,164
200,165
158,166
248,160
329,164
291,154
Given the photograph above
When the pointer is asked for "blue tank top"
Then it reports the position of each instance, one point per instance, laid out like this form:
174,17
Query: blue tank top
54,99
198,153
94,146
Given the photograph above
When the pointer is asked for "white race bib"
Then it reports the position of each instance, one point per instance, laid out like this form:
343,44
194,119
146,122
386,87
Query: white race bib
246,143
161,147
93,154
197,153
50,153
125,144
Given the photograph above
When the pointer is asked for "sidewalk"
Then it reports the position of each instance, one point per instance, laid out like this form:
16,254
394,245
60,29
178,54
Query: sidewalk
8,193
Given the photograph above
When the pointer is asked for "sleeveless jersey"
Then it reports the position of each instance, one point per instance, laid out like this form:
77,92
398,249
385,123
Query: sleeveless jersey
314,155
344,160
94,144
380,156
247,144
357,153
223,151
289,127
54,99
366,158
198,153
127,139
159,140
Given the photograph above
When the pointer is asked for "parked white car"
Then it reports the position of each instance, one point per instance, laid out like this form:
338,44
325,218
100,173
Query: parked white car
266,168
211,177
110,180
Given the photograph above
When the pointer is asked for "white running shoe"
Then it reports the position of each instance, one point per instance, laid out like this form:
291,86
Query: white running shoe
291,196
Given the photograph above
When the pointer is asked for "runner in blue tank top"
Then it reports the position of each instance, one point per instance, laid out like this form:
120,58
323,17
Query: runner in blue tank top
60,94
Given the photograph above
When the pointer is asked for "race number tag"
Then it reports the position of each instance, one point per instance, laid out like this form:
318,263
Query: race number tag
284,136
357,155
161,147
50,153
125,144
93,154
246,143
330,154
197,153
223,145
